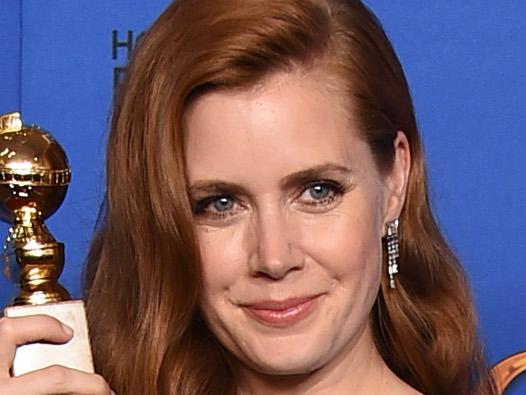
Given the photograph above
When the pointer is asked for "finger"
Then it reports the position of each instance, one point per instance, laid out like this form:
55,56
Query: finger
21,330
58,379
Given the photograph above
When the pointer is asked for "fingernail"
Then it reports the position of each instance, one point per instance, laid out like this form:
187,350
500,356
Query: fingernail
67,330
113,393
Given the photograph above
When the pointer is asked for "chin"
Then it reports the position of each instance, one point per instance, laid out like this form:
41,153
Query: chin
286,367
287,357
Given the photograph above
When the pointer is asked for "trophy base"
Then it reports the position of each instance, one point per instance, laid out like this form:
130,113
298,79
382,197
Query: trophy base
75,354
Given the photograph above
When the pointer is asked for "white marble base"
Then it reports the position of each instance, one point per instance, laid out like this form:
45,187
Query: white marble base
74,354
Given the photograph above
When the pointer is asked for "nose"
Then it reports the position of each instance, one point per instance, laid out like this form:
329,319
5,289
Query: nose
276,254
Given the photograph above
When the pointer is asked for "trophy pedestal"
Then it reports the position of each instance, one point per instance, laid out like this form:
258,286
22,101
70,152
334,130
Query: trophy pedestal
75,354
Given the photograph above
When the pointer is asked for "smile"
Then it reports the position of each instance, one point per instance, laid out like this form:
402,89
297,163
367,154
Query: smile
282,313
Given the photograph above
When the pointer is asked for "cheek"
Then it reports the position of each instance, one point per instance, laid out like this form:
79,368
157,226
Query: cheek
348,240
223,259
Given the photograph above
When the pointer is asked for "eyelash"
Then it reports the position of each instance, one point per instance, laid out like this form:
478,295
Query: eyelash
200,208
336,189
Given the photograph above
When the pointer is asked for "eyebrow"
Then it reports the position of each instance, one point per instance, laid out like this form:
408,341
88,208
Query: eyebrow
216,187
325,170
301,177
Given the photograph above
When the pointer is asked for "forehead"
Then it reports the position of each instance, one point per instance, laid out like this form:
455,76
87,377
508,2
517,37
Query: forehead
287,123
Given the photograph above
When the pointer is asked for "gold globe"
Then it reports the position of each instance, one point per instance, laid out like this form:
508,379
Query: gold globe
34,176
34,169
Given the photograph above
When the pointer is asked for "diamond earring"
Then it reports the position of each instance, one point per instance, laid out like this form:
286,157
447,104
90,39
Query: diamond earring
393,250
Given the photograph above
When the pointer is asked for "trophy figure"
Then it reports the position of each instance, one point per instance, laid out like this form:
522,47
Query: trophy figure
34,176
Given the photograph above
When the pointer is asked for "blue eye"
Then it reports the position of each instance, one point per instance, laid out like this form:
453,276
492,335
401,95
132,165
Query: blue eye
223,203
319,191
216,207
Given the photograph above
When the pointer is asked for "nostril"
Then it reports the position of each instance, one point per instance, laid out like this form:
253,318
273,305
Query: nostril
275,255
276,269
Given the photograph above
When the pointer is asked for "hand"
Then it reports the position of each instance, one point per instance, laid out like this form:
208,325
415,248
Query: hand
51,380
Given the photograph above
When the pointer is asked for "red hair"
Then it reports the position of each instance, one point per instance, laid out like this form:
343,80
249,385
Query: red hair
143,274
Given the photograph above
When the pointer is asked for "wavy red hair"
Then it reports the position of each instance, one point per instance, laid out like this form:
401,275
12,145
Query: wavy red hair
143,275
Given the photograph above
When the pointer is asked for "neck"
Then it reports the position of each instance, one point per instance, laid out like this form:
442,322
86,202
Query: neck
359,368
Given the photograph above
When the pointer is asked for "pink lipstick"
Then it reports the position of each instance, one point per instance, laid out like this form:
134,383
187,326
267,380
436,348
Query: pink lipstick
282,313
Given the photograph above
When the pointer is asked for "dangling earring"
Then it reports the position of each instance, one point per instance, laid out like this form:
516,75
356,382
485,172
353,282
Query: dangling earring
393,250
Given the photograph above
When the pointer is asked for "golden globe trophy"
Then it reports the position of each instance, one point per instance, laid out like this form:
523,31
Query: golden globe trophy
34,177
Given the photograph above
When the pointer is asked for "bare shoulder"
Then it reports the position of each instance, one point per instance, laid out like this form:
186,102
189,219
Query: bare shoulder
404,389
411,391
395,386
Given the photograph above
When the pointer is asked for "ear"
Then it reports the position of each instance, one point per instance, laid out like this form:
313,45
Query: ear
397,178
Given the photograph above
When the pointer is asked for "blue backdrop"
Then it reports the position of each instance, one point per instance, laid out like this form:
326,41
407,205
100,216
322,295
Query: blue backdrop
465,64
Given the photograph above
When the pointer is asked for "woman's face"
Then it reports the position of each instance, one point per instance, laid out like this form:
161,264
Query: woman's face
290,212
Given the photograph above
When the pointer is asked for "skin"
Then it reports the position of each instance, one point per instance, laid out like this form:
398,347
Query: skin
51,380
262,165
285,235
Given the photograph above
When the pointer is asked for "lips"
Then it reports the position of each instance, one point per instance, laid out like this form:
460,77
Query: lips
282,313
